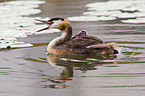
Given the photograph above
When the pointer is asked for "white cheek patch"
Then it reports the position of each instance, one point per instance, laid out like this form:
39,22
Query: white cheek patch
55,24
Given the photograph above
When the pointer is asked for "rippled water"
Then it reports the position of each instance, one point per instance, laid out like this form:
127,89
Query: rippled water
15,21
30,72
130,11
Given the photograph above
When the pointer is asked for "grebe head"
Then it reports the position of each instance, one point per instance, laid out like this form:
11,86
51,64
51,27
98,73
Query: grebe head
56,23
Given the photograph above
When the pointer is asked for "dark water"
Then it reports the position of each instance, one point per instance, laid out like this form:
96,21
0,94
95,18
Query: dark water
30,72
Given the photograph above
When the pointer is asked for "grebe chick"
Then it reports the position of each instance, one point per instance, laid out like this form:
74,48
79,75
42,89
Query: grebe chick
80,34
79,44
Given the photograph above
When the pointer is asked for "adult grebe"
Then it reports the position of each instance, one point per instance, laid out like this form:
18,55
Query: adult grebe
84,44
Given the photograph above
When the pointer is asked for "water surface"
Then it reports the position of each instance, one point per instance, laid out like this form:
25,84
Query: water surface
16,22
30,72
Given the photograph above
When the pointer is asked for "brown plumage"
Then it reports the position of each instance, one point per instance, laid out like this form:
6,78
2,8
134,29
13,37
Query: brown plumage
64,44
88,45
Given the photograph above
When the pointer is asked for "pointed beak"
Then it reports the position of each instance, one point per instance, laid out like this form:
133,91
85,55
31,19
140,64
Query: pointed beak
45,22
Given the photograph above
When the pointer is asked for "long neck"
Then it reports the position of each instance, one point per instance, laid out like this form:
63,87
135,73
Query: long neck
66,35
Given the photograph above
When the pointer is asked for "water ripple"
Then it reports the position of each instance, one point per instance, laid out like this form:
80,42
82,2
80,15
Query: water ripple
15,23
130,11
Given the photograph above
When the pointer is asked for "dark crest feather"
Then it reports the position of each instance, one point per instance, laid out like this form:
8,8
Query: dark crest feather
55,19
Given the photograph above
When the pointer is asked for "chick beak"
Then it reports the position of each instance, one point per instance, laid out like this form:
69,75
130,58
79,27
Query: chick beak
45,22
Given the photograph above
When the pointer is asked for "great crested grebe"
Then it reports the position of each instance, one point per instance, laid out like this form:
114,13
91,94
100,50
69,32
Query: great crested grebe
79,44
